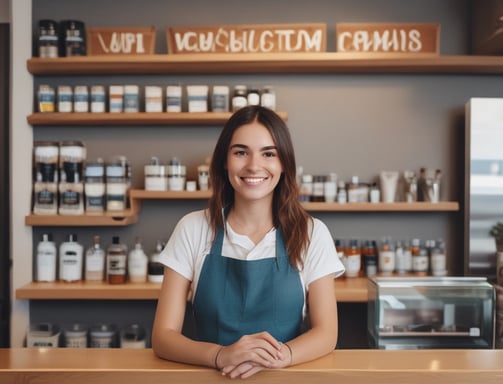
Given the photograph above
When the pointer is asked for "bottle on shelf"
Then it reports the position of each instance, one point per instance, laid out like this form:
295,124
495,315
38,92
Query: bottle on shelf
46,261
369,255
353,258
137,263
70,260
438,260
386,257
155,268
116,260
95,261
420,261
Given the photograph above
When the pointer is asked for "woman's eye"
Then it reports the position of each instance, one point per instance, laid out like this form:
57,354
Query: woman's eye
270,154
240,153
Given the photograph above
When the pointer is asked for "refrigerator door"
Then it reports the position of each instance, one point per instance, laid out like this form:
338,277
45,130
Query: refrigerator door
483,183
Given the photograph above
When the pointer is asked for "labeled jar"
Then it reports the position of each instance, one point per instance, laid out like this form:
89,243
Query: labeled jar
98,99
81,99
46,98
156,177
71,161
131,98
48,43
45,198
153,98
46,159
102,336
370,259
95,187
197,98
173,98
43,335
74,38
239,97
116,185
203,176
306,187
65,98
116,98
318,194
220,98
75,336
176,175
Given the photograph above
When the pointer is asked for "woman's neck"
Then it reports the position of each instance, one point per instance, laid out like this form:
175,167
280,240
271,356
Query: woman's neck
252,219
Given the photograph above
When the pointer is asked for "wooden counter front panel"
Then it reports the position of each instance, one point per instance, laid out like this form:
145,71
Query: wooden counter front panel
106,366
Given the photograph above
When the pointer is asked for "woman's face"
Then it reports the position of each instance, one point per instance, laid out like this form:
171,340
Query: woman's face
253,165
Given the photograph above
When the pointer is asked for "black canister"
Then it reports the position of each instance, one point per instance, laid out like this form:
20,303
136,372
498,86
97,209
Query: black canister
72,38
47,39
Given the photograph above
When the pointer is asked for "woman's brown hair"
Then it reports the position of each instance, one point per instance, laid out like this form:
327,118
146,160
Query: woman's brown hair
288,214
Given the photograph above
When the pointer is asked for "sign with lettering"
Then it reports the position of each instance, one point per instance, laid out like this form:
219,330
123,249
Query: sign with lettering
264,38
120,41
391,38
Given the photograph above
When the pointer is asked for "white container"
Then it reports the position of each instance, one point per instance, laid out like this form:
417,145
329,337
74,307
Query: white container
389,182
131,98
65,99
81,99
153,99
220,98
70,260
116,98
197,96
46,259
98,97
173,98
137,264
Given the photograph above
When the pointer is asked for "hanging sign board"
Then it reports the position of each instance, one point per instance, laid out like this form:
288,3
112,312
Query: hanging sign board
121,41
265,38
388,38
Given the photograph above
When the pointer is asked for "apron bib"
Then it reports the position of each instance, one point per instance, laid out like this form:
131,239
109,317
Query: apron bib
239,297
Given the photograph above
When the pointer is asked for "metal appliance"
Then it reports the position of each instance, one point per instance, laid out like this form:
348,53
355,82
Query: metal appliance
483,196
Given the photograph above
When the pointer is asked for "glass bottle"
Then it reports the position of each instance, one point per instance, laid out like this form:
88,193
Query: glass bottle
116,262
353,258
95,262
386,257
369,254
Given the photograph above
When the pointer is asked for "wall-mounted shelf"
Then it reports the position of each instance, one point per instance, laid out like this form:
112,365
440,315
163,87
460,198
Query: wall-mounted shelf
347,290
323,62
137,119
128,217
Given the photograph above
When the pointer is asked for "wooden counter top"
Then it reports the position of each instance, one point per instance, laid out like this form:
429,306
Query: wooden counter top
110,366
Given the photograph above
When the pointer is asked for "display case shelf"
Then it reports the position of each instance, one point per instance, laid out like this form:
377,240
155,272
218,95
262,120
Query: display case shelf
322,62
347,290
135,119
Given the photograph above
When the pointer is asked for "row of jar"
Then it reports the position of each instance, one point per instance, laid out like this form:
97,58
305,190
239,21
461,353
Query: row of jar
390,187
388,256
78,335
116,263
172,98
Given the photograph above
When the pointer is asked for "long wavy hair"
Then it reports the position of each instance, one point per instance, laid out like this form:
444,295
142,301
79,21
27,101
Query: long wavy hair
288,214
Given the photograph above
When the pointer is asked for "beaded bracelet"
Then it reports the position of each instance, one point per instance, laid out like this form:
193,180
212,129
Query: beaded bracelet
291,354
216,357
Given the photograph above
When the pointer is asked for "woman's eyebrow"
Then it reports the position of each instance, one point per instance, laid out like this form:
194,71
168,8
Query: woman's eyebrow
266,148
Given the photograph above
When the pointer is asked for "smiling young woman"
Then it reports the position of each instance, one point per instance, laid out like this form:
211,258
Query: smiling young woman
252,263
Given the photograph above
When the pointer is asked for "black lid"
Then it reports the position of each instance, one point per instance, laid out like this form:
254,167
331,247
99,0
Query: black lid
115,240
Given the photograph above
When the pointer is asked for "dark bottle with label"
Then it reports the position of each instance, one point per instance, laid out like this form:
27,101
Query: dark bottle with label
369,252
117,254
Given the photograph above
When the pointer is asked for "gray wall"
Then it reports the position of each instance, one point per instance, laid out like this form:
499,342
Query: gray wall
344,123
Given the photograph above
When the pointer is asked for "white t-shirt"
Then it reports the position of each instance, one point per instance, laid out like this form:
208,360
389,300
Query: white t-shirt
192,239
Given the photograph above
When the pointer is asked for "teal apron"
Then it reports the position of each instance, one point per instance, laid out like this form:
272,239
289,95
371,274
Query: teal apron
241,297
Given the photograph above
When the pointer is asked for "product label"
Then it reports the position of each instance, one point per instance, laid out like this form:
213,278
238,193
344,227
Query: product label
117,264
70,266
46,266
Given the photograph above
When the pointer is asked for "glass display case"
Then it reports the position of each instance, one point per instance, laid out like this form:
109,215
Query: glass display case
430,312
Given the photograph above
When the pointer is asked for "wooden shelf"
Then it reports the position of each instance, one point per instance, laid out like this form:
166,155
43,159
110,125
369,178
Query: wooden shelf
323,62
123,218
137,119
420,206
347,290
118,219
